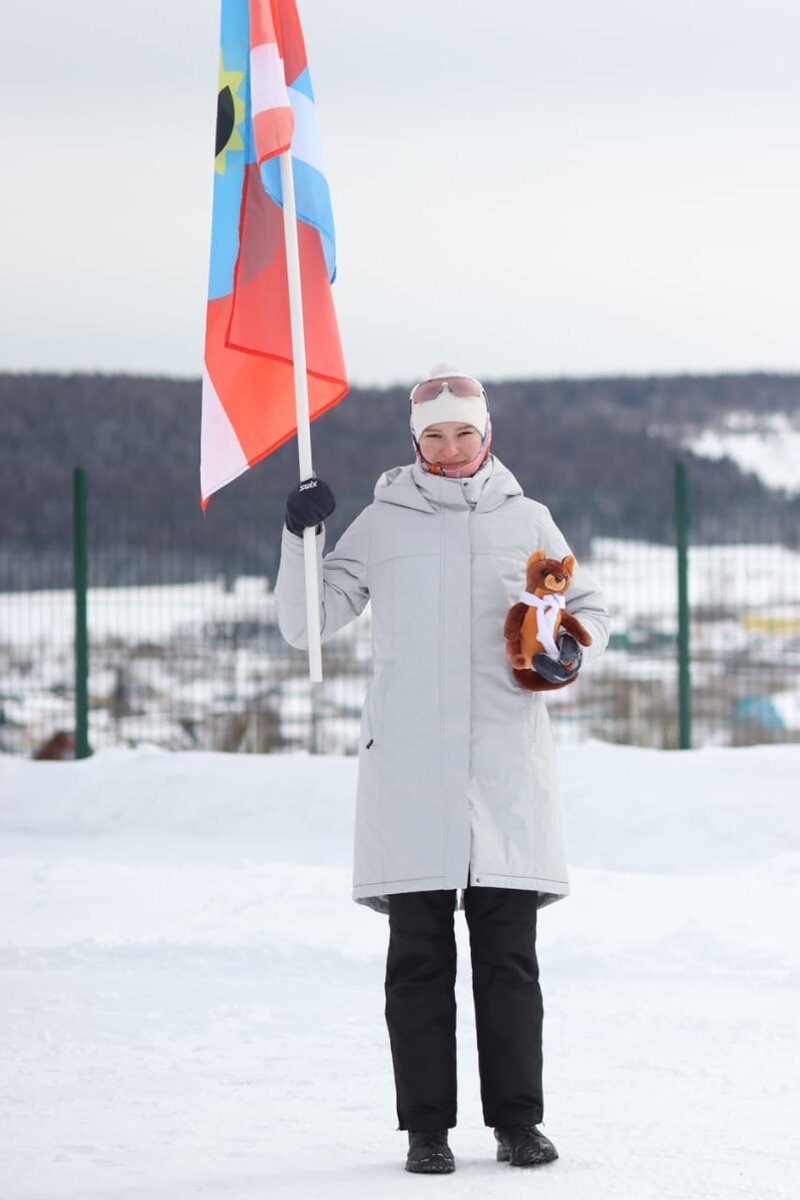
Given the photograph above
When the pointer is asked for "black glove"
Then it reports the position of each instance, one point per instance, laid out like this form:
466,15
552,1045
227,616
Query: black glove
308,504
569,661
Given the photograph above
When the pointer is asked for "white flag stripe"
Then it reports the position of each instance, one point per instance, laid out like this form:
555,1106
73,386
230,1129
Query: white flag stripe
221,455
306,142
267,80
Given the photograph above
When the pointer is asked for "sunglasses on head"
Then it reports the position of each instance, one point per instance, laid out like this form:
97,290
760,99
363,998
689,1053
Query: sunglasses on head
462,386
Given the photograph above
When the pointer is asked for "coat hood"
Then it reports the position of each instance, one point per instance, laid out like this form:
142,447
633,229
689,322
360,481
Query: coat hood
411,487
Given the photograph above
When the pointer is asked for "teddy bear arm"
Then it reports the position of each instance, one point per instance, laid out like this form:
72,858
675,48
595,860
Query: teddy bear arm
573,626
514,618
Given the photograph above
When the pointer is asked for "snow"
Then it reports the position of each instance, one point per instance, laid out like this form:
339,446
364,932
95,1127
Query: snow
639,580
193,1006
150,614
166,657
767,445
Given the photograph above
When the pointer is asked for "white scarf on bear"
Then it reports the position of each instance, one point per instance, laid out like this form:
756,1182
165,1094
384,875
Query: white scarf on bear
547,608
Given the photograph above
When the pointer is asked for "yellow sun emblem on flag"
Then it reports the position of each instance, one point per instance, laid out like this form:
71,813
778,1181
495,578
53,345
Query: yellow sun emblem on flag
230,114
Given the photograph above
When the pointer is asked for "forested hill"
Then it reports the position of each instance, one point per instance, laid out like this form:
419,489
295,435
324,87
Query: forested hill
599,452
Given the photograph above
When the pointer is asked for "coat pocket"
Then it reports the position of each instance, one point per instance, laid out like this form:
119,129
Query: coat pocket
368,858
366,737
372,713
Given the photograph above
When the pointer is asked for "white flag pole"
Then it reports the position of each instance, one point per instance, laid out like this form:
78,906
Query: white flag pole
301,406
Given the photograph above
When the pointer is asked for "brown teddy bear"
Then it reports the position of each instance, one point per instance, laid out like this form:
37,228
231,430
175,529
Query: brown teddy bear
532,625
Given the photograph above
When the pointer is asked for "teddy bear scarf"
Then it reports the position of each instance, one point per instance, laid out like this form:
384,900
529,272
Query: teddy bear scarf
547,610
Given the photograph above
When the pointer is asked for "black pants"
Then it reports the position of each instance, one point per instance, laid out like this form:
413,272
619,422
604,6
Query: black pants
421,1005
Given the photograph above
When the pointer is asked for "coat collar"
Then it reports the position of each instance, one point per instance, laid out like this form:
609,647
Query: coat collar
411,487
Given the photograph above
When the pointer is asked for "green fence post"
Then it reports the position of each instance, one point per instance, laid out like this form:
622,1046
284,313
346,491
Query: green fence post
682,543
81,583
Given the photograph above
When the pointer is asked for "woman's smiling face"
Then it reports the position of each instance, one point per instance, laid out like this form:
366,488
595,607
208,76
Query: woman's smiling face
450,443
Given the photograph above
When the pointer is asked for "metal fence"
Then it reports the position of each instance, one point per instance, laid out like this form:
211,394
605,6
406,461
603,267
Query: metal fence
200,664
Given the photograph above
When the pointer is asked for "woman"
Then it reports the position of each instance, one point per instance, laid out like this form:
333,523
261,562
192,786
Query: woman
456,790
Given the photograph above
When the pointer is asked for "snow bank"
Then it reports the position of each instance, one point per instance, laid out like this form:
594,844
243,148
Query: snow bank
626,809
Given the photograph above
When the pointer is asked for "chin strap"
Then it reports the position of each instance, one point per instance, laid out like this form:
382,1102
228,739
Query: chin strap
547,607
463,470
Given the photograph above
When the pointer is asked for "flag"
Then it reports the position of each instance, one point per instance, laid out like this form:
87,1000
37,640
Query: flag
265,106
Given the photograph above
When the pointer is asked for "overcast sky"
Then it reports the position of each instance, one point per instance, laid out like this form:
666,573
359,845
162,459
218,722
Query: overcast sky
528,188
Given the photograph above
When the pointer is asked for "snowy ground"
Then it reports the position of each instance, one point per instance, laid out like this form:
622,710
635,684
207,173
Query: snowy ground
192,1005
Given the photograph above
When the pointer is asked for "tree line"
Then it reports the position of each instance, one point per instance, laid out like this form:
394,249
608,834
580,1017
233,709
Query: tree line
599,452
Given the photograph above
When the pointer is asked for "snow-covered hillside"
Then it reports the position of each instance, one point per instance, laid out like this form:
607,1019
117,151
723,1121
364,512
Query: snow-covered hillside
193,1006
768,444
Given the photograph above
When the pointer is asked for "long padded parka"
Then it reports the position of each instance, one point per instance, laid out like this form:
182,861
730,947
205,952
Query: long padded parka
456,777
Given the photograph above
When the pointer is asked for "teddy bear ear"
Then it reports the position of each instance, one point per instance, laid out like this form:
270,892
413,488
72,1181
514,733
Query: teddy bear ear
568,563
537,554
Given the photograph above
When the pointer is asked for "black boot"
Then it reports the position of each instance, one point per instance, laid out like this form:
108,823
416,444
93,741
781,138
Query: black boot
429,1153
524,1146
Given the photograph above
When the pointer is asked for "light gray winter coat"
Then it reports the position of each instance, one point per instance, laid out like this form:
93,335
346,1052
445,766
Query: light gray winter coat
456,762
